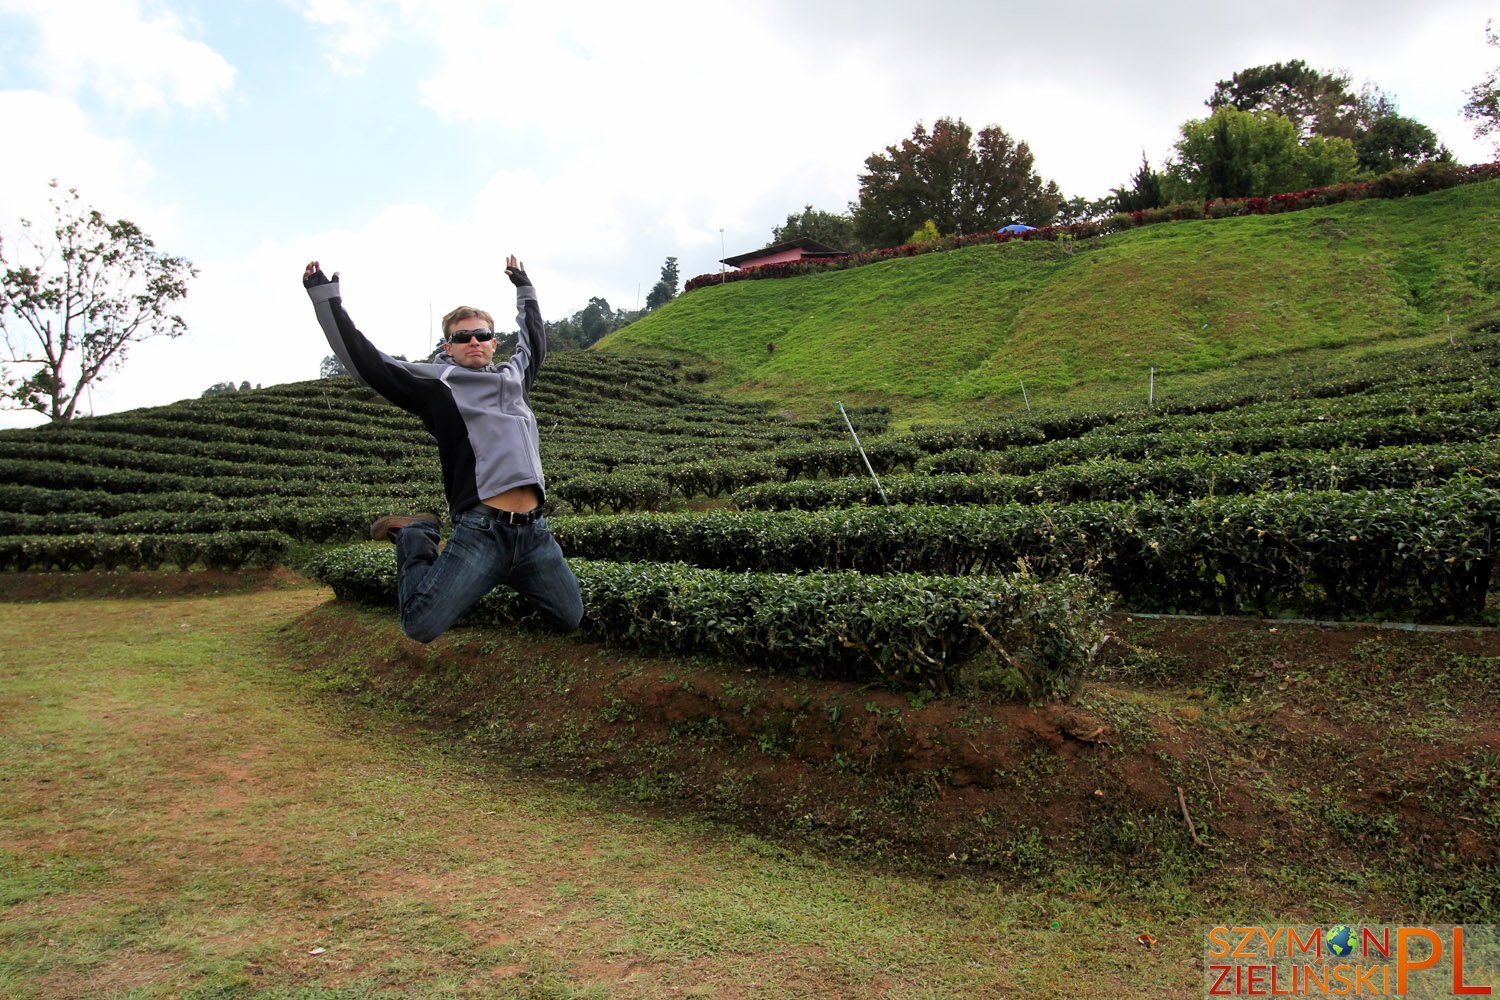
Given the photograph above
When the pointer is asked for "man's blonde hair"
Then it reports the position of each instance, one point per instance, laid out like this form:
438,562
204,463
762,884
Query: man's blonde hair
463,313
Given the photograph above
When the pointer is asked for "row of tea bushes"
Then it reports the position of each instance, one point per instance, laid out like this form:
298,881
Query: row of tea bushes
222,550
1354,433
1423,553
905,630
316,519
1399,467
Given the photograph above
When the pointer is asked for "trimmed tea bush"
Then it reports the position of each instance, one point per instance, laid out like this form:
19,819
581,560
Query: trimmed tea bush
906,630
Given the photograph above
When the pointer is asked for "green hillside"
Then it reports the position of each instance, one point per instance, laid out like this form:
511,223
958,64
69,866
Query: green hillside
948,333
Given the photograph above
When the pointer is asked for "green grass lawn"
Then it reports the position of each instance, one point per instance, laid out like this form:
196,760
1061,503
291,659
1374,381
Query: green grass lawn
185,814
951,333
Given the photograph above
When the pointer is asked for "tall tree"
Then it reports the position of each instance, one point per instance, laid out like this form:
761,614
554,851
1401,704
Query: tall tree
1483,105
829,228
665,290
1240,154
1394,140
1080,209
962,183
91,289
1320,103
1145,190
588,325
332,367
1315,102
594,321
562,334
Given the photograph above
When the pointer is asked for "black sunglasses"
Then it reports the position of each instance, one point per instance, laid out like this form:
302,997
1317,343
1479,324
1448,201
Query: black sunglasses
464,336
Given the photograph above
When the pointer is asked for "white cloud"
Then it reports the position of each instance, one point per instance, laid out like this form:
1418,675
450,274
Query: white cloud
132,59
59,142
660,126
354,30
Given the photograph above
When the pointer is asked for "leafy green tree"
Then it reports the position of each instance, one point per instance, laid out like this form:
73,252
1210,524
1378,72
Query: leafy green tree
1241,154
222,387
829,228
1483,105
963,183
1315,102
1081,209
1323,161
588,325
1319,103
332,367
93,288
926,233
1394,141
594,321
665,290
1145,190
562,334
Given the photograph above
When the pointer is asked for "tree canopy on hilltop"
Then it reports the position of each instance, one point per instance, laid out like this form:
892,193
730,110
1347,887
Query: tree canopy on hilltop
829,228
1322,103
665,289
961,182
1315,102
1245,154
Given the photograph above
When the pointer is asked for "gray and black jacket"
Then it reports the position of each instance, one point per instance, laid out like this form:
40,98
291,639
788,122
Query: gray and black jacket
481,418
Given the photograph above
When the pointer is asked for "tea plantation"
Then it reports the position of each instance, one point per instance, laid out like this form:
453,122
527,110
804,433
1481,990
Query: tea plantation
698,525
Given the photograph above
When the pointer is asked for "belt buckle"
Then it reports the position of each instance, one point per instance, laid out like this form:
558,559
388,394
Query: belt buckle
512,517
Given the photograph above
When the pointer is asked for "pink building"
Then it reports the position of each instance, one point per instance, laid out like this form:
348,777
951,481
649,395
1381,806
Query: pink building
801,248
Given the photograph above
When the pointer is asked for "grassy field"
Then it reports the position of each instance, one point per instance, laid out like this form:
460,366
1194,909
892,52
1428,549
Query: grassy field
950,333
186,815
188,811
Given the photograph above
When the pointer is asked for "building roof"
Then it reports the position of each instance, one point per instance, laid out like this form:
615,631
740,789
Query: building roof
809,246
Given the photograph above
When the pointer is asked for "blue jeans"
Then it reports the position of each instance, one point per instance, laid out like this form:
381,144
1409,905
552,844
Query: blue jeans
482,553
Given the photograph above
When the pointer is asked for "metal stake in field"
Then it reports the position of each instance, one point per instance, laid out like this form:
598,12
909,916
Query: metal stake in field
850,424
1024,396
1151,398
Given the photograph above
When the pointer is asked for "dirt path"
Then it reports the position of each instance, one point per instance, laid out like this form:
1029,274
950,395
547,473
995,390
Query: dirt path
181,816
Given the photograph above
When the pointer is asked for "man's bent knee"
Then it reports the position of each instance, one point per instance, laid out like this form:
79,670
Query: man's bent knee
422,632
560,620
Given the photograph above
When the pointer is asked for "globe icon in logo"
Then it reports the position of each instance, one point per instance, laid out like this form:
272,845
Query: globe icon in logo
1340,941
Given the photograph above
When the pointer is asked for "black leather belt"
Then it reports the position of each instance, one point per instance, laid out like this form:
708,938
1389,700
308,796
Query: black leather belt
506,516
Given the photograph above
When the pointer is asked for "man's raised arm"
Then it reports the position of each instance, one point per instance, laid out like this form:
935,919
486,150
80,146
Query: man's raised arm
531,342
360,358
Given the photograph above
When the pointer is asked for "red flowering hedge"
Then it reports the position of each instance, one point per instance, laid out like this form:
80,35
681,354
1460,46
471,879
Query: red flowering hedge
1422,179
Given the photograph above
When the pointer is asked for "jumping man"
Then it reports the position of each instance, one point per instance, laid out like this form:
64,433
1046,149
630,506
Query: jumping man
480,414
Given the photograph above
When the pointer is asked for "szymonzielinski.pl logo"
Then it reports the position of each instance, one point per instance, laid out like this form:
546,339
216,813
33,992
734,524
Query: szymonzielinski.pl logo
1267,960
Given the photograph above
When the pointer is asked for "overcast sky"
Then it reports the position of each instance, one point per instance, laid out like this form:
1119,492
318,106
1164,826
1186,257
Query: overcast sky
412,144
